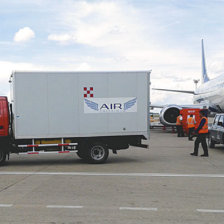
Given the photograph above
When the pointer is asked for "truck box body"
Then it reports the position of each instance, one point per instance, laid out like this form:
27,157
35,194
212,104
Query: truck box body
79,104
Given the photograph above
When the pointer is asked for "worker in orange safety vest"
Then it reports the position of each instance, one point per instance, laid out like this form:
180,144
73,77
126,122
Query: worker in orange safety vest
191,126
202,131
180,132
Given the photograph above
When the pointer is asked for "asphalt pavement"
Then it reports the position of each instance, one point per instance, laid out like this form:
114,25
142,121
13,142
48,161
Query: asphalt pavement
162,184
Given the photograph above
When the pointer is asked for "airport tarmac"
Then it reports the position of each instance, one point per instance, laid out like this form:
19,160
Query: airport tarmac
162,184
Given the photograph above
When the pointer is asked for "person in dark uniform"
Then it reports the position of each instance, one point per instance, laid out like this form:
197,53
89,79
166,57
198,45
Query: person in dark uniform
202,132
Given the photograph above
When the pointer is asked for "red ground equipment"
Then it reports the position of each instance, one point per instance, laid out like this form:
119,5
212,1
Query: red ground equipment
186,113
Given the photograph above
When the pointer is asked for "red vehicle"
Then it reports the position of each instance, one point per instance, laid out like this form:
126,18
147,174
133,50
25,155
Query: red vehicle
186,113
4,116
4,126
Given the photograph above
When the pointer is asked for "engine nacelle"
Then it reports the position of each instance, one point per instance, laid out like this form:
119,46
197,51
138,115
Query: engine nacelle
168,115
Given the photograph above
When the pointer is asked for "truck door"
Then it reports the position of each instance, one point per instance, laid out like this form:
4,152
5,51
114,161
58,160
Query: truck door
4,116
1,120
220,129
214,129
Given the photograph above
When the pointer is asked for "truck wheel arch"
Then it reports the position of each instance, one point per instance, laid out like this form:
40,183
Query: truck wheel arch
211,142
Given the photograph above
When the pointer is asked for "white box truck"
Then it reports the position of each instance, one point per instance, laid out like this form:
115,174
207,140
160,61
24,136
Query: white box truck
83,112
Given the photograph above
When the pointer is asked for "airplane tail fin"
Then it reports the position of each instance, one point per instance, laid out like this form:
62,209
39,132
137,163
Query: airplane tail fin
204,71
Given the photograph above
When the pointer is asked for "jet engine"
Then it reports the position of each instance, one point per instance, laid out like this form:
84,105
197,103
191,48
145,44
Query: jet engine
168,115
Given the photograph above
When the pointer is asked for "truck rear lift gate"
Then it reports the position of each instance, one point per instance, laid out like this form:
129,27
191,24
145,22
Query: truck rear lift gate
34,146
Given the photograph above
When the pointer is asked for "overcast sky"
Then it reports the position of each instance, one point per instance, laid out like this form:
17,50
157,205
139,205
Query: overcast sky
159,35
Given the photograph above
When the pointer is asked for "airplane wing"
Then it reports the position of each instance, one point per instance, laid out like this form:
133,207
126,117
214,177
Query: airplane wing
175,90
152,106
198,106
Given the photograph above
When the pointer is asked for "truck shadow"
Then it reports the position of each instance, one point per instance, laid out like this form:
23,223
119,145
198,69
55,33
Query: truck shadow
65,162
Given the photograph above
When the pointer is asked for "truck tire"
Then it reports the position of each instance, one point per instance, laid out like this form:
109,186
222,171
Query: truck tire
2,157
97,153
211,143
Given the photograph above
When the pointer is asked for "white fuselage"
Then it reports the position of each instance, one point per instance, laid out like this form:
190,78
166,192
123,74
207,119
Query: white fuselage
211,93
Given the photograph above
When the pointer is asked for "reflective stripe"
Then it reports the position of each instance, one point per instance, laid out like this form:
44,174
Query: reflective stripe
32,153
47,145
46,152
204,129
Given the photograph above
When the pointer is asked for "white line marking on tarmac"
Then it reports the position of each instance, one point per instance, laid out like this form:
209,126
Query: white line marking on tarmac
63,206
210,211
115,174
6,205
138,209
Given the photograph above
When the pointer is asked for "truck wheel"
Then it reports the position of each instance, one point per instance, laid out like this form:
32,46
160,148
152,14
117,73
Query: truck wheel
97,153
2,157
211,143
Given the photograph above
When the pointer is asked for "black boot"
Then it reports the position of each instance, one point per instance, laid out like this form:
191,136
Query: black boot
193,154
204,155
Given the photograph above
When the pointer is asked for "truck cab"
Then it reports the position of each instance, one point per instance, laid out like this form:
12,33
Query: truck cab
4,128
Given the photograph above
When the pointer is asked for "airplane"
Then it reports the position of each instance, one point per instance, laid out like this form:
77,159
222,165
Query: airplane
209,95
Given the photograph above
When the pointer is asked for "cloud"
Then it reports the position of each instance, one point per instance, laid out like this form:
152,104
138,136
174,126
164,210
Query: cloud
63,38
95,24
83,67
164,98
23,35
99,24
120,31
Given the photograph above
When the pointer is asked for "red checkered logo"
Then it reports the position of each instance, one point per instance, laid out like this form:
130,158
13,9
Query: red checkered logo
88,92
